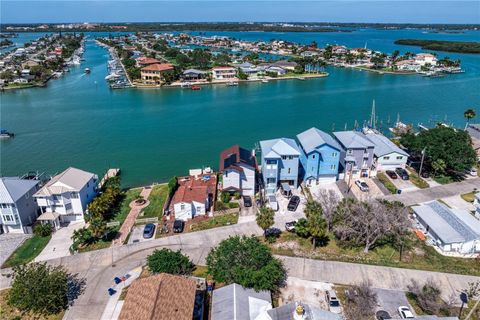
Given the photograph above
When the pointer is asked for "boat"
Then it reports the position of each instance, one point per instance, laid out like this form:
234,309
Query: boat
195,87
186,84
112,76
87,70
232,84
4,134
264,80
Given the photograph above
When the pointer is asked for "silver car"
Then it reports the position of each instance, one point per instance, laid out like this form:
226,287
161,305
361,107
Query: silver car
333,302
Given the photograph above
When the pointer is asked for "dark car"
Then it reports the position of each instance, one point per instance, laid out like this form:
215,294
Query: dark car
391,174
273,232
178,226
402,173
382,315
149,231
247,201
293,203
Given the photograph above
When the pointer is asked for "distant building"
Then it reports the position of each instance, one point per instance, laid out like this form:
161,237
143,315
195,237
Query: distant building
194,74
145,61
66,196
18,208
280,163
160,297
194,196
387,155
357,157
222,73
451,230
154,74
425,58
238,166
320,156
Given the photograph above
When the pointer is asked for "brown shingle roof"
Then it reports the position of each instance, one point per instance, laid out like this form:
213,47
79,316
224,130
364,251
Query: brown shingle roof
160,297
146,61
195,189
158,67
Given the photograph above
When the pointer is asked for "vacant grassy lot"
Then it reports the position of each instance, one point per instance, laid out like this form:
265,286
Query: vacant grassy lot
215,222
8,312
417,255
27,251
157,199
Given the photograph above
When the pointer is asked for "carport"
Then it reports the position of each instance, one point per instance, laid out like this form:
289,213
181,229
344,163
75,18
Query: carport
286,191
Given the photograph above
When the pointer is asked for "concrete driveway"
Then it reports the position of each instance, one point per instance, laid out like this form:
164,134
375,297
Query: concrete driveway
137,234
283,215
374,190
60,243
458,203
9,242
390,300
404,185
309,292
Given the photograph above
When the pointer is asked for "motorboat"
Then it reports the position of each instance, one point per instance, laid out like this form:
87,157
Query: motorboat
4,134
195,87
87,70
232,84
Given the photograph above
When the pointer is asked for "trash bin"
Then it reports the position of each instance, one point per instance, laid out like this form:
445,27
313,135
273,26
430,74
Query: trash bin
399,191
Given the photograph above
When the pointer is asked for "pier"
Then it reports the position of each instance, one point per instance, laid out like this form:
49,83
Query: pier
112,172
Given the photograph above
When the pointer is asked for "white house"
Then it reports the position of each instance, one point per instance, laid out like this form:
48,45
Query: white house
18,208
425,58
387,155
222,73
238,166
194,196
451,230
65,197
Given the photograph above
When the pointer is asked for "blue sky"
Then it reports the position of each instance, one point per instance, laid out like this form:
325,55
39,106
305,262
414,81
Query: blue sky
393,11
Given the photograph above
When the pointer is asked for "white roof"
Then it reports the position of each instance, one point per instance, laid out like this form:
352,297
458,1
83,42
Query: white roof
13,188
276,148
383,145
72,179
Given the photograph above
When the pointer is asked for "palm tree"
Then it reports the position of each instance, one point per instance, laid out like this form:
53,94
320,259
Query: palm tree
469,114
265,219
98,226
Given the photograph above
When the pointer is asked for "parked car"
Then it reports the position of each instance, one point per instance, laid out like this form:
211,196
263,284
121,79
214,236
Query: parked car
333,302
272,203
275,232
402,173
293,203
391,174
247,201
290,225
178,226
473,172
362,185
148,231
382,315
405,313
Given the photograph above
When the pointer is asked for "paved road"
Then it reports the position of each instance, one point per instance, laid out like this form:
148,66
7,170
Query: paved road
423,195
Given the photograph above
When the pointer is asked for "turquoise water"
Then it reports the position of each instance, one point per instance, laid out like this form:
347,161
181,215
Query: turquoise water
152,134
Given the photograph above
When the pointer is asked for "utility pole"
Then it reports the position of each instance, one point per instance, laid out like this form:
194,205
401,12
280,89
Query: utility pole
421,163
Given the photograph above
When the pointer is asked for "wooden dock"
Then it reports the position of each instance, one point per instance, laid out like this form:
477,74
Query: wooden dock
112,172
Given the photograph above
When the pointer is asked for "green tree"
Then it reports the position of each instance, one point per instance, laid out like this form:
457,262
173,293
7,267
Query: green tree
242,75
317,227
201,58
246,261
168,261
39,289
42,230
265,218
225,197
312,208
80,237
98,227
301,228
469,114
439,166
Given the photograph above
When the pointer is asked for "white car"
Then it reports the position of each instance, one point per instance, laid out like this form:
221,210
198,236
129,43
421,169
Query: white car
272,203
362,186
405,313
333,302
473,172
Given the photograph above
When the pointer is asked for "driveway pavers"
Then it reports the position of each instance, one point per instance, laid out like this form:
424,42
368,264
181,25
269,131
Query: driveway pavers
9,242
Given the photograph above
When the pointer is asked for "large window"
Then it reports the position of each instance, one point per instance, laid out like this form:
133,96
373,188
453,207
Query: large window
271,161
74,195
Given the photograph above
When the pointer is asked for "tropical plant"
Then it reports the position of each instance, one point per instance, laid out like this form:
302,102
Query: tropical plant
42,230
265,218
301,228
225,197
168,261
80,237
98,227
469,114
439,166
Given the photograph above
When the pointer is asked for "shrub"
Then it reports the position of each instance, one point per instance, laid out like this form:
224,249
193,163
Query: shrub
42,230
225,197
236,195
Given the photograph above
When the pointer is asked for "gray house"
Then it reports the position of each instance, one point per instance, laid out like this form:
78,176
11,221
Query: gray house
357,157
18,208
280,163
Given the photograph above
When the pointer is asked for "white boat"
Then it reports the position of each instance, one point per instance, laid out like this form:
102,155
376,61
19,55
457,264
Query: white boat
186,84
112,76
87,70
232,83
76,61
264,80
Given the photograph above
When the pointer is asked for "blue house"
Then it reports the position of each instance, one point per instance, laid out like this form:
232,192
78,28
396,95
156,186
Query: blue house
280,163
320,156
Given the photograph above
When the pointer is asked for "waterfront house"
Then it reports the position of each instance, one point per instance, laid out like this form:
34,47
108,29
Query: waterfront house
425,58
286,65
251,70
320,156
194,74
238,166
357,158
407,65
194,196
161,297
387,155
450,230
280,163
279,71
154,74
223,73
66,196
145,61
17,206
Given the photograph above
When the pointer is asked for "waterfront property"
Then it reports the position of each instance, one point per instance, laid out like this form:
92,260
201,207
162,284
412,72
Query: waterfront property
224,73
194,196
65,197
320,156
423,59
387,155
154,74
17,206
280,163
357,157
451,230
194,75
238,166
473,130
162,297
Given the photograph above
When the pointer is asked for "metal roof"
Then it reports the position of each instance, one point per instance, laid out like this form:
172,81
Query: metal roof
314,138
353,139
72,179
235,302
383,145
276,148
451,226
13,188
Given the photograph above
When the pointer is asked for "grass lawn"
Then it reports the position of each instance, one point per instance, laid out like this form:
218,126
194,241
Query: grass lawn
27,251
8,312
157,199
124,209
215,222
386,182
419,256
200,271
417,181
443,179
100,244
469,197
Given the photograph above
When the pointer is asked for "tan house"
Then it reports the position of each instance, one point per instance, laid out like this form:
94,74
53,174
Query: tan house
153,74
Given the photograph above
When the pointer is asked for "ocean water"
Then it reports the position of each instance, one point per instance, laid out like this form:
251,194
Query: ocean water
153,134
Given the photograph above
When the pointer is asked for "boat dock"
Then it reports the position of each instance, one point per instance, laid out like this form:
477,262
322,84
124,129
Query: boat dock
112,172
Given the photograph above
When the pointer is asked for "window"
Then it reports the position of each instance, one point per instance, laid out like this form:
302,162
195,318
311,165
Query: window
4,205
284,157
386,158
334,154
182,207
8,218
313,157
270,180
271,161
350,151
399,158
290,157
57,197
333,166
199,209
289,170
68,206
74,195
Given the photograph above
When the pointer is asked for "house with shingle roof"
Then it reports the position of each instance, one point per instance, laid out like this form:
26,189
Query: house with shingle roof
280,163
238,166
320,156
66,196
194,196
160,297
18,208
387,155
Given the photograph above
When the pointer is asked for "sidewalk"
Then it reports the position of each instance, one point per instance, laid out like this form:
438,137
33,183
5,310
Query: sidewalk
60,243
132,215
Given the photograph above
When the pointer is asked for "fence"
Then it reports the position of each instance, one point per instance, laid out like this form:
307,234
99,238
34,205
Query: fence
146,220
113,224
226,211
